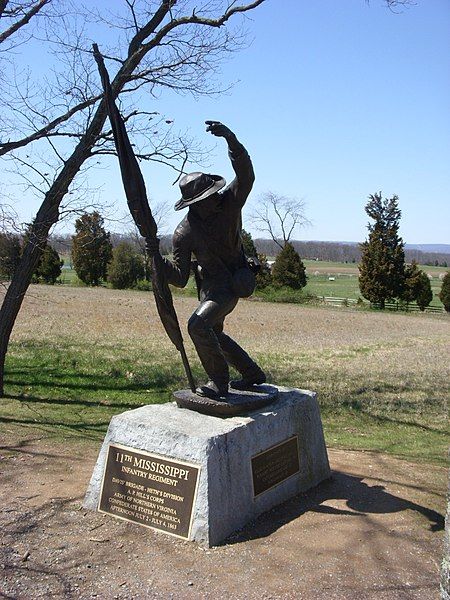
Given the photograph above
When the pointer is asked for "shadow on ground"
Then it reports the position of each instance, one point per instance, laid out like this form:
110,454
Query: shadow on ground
360,499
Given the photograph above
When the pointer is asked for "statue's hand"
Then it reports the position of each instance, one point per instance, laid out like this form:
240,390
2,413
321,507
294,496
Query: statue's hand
219,129
152,246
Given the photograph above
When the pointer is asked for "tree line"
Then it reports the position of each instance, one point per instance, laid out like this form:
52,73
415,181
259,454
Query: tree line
125,264
346,252
384,273
309,250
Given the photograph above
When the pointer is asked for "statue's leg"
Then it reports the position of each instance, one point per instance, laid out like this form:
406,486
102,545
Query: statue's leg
238,358
201,329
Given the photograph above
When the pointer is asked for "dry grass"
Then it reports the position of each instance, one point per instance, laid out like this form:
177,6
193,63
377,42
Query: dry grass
100,314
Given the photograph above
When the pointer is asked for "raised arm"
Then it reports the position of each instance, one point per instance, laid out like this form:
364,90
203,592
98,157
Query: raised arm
240,160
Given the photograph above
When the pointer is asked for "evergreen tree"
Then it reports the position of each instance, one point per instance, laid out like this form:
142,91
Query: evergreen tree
382,266
264,275
417,287
444,294
10,250
247,242
424,293
49,266
412,283
91,248
126,267
288,269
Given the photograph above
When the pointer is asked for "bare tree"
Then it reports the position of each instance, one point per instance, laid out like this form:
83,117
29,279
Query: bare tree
15,16
15,30
394,4
279,216
175,47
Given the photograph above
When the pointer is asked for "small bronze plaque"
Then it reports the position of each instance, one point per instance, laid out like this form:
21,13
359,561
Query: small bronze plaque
151,490
275,465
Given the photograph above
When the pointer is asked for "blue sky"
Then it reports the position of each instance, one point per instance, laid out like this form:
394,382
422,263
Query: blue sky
335,100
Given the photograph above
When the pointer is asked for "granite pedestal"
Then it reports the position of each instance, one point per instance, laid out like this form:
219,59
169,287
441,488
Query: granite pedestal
240,466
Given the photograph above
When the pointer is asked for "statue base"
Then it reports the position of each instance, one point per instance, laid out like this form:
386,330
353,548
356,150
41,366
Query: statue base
238,402
201,478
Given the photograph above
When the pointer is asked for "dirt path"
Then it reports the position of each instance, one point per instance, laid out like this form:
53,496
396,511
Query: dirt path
373,532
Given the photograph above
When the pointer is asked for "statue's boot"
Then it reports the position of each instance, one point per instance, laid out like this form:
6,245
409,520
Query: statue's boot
213,390
250,378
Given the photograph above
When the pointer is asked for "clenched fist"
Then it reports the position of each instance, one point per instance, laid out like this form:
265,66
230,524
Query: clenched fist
219,129
152,246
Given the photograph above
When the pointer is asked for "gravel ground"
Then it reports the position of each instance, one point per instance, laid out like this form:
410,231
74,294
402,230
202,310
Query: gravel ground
372,532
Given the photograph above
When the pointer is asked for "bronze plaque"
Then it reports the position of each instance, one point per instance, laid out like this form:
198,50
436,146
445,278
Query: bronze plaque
148,489
275,465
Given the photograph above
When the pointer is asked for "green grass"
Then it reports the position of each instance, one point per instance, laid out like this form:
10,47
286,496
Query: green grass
73,390
354,430
312,265
369,410
345,284
69,277
77,388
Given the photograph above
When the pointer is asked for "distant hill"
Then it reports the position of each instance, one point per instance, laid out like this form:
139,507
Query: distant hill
350,251
437,248
424,254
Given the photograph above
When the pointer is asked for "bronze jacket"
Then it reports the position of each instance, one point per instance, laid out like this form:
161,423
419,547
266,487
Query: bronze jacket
215,242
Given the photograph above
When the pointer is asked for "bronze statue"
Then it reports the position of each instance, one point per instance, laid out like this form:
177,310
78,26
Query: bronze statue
211,232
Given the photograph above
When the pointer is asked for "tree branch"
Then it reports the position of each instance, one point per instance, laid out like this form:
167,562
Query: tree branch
23,21
194,19
6,147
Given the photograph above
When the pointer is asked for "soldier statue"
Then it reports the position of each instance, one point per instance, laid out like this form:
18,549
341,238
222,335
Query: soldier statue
211,234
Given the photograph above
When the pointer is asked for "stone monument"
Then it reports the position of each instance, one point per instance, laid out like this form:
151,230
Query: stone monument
202,477
182,467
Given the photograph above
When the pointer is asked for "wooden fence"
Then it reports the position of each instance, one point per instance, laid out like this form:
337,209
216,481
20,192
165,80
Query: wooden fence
388,306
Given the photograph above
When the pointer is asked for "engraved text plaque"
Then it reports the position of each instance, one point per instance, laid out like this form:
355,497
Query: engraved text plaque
275,465
148,489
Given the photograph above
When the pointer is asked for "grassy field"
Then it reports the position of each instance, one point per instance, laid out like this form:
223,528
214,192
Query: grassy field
344,285
344,280
80,355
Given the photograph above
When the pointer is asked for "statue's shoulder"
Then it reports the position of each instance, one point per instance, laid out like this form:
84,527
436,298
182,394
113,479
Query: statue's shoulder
183,230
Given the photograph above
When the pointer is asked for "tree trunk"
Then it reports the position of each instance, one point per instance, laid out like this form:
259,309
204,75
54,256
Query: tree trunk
13,300
46,217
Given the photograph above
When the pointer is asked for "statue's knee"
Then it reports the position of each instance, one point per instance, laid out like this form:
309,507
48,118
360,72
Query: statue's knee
196,326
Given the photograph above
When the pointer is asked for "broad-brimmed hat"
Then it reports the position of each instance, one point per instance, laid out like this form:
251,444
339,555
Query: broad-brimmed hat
198,186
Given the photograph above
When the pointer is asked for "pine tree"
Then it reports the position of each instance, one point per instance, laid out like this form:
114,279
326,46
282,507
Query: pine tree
424,293
412,283
126,267
382,266
248,244
288,269
417,287
49,266
444,294
91,248
10,250
264,275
